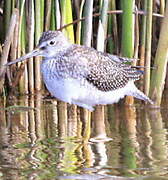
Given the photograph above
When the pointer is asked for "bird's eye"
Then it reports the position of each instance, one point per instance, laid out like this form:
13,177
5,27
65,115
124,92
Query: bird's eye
51,43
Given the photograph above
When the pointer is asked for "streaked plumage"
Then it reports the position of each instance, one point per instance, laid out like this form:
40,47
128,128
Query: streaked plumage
81,75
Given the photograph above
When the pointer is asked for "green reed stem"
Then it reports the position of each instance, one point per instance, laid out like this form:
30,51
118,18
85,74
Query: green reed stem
7,15
148,45
128,26
112,29
52,8
128,21
66,12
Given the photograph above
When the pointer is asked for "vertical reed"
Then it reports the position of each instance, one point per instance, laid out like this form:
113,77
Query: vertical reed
78,29
148,45
113,44
162,6
87,24
6,16
39,18
102,26
128,21
23,83
31,30
57,14
160,63
66,13
143,36
49,15
127,41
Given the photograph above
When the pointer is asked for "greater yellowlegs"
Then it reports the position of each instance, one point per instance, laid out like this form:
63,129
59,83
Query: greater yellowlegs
82,75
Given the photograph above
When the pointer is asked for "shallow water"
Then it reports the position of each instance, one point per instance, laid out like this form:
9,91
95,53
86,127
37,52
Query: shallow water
42,139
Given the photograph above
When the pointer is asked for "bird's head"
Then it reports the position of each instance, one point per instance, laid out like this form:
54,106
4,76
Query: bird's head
50,44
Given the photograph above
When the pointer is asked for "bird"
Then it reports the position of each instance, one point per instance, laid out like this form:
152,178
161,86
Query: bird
83,76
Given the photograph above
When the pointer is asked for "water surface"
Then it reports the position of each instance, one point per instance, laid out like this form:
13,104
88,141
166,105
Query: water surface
43,139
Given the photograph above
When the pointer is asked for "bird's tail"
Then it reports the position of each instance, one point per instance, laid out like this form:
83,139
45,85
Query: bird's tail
140,95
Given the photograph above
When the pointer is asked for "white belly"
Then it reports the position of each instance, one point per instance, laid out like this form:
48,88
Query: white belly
82,93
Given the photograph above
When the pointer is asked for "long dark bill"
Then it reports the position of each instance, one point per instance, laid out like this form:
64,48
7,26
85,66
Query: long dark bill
35,52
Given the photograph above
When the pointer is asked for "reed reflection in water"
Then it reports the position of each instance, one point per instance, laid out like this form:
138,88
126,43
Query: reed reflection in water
45,139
